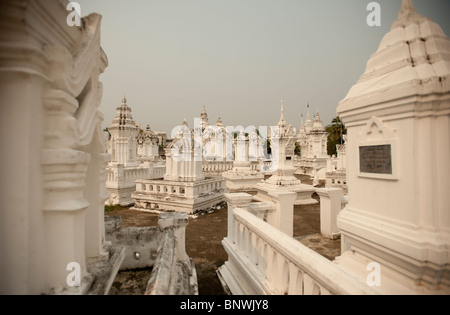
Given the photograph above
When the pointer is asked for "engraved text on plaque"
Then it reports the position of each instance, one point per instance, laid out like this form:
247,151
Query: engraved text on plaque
375,159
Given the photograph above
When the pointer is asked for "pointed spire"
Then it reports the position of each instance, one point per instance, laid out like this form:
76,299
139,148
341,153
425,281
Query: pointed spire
204,109
407,10
302,125
308,122
124,100
282,122
407,15
317,115
317,125
407,7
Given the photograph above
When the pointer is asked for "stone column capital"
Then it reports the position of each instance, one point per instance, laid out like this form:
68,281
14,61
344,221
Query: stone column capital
239,200
174,220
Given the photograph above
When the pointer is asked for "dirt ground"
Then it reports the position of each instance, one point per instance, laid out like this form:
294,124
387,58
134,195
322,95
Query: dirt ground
203,244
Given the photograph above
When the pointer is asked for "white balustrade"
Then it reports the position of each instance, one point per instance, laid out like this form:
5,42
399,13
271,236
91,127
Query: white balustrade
282,264
217,166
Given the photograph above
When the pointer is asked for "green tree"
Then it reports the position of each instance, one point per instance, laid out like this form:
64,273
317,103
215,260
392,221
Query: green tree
269,149
336,130
298,149
109,134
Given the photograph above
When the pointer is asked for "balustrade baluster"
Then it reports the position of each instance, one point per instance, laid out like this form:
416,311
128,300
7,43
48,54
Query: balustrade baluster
294,274
254,251
285,277
309,286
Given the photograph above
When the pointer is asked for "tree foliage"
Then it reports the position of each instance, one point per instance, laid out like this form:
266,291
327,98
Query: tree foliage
335,130
298,149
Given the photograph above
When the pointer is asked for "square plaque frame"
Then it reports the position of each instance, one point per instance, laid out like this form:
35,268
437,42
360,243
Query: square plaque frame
392,143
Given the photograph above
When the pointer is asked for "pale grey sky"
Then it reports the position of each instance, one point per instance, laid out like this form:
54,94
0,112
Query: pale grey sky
238,57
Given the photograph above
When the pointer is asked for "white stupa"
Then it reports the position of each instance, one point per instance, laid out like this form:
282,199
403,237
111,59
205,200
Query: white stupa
283,145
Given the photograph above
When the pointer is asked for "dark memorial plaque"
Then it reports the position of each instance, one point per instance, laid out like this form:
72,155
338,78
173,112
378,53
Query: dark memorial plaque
375,159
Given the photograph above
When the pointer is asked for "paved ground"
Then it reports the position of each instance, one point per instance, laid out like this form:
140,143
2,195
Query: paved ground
203,243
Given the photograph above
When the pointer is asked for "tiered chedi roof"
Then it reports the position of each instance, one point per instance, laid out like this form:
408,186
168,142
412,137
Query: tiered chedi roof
124,119
312,137
124,131
412,59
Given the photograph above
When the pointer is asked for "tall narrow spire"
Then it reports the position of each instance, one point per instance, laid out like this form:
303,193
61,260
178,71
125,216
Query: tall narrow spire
204,117
282,122
407,9
407,15
407,5
302,125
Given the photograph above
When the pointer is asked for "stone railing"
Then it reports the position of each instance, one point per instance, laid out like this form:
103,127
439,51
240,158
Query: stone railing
161,248
173,272
337,179
263,167
178,188
264,260
158,171
140,243
131,175
126,175
216,167
220,167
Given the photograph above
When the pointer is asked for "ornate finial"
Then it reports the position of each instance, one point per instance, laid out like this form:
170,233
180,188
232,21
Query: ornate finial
185,122
282,122
407,8
407,5
204,109
317,115
124,100
407,15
